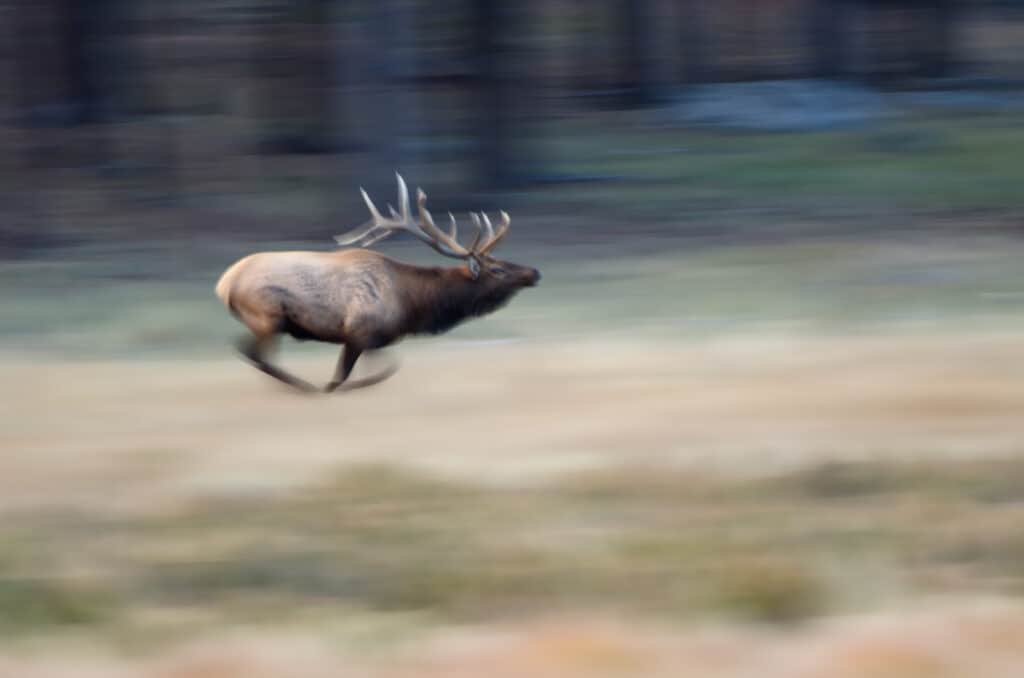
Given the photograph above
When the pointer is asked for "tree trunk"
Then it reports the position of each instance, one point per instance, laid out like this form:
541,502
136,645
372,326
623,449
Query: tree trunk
291,69
372,97
861,34
636,44
938,57
382,88
344,78
95,35
495,94
693,31
78,24
828,27
586,47
29,68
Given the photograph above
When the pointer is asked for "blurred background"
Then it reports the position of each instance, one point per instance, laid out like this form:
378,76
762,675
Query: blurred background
762,416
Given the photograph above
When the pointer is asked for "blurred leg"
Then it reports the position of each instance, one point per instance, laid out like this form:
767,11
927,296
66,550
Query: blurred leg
254,349
345,365
346,361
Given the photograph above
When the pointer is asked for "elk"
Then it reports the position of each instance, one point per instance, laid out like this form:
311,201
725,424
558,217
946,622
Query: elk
363,300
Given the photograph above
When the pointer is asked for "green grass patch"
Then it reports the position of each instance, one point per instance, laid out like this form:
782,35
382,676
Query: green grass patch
917,163
774,550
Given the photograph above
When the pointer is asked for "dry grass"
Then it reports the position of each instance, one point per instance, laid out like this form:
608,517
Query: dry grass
960,641
140,433
578,501
161,557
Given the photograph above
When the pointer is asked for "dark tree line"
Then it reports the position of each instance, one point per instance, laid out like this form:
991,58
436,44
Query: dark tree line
336,76
835,26
73,59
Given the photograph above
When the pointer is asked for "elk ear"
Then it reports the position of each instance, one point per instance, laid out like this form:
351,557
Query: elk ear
474,267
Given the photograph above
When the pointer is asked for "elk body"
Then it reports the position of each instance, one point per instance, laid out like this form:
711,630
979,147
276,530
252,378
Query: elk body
364,300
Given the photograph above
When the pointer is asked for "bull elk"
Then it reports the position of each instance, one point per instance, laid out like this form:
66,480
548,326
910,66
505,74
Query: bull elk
364,300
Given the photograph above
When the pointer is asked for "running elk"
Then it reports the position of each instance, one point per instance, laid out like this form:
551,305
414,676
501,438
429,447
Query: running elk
364,300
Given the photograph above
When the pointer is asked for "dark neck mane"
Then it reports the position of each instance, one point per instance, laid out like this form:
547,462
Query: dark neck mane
441,298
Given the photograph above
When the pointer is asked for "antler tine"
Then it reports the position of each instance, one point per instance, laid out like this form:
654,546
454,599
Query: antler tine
376,221
479,231
453,230
356,234
369,204
506,220
484,232
487,224
380,227
426,224
371,238
403,198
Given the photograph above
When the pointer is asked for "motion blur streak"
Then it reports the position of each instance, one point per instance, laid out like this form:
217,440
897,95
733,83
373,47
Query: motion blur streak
761,417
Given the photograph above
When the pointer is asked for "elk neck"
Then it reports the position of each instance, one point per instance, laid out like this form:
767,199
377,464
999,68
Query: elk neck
441,298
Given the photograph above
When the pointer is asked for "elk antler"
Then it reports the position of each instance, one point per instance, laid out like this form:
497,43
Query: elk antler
423,228
380,227
493,238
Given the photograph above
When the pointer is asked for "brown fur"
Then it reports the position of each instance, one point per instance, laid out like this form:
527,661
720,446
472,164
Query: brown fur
360,298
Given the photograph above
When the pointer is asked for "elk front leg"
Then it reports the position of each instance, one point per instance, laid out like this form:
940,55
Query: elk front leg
254,350
346,361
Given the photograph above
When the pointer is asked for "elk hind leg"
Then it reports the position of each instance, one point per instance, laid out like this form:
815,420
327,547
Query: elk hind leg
254,349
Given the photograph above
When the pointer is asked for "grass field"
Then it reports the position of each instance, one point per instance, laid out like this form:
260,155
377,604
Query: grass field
795,453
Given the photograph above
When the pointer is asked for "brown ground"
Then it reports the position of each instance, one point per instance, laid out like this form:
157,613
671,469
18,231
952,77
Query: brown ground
144,432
